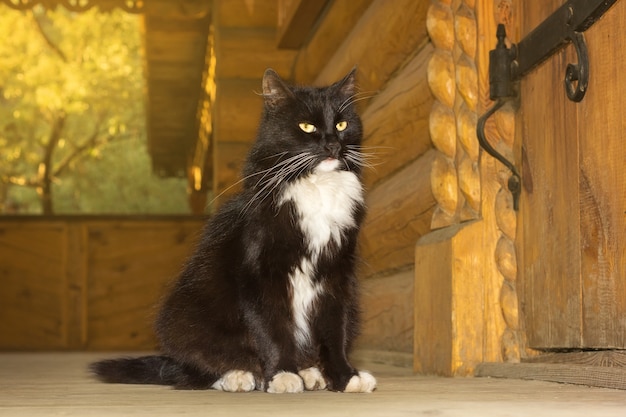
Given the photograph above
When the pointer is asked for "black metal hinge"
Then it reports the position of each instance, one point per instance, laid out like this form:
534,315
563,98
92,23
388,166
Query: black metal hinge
508,65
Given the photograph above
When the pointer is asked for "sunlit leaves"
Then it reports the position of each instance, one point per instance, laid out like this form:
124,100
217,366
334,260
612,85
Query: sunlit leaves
87,69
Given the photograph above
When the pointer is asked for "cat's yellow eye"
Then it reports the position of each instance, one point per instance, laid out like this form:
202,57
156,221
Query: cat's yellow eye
307,127
341,126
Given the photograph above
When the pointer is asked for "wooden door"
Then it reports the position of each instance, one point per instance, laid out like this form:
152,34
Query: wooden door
573,208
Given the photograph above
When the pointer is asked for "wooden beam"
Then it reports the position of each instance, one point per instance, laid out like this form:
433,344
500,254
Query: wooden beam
612,358
388,33
335,26
594,376
296,19
400,209
245,13
387,305
458,316
396,121
228,160
237,110
448,274
87,283
33,315
130,265
75,299
248,52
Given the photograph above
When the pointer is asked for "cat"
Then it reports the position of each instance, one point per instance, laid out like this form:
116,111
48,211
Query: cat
269,299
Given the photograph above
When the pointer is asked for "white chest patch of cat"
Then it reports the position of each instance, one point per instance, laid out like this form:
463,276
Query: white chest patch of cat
325,202
304,293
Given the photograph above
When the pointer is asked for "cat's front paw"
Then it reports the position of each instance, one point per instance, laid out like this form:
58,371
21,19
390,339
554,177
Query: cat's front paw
363,382
236,381
313,379
285,382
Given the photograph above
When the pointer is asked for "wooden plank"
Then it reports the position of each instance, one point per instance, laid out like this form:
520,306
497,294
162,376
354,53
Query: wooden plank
364,357
549,208
176,47
228,160
333,28
247,53
129,266
449,330
245,13
575,283
296,19
603,185
501,329
237,110
32,314
75,297
399,212
387,305
396,121
611,358
396,29
57,384
594,376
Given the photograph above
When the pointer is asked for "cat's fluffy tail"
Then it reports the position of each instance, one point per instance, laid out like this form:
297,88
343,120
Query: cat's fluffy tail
156,369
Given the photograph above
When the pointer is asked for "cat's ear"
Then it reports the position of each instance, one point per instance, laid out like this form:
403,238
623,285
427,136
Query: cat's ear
347,86
275,90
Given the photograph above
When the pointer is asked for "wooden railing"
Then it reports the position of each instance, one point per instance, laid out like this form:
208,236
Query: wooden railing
73,283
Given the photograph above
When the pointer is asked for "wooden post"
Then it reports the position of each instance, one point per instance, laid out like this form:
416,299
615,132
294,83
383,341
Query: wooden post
465,273
449,299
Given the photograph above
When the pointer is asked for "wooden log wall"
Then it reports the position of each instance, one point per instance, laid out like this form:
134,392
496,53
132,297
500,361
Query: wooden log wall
245,45
87,282
475,243
502,321
392,63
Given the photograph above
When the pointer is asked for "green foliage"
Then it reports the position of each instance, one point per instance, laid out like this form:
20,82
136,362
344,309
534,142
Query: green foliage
72,118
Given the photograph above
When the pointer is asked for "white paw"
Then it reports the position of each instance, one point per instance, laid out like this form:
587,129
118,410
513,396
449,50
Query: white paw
313,379
235,381
363,382
285,382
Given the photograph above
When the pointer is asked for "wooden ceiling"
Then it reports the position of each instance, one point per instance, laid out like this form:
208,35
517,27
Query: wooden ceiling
175,48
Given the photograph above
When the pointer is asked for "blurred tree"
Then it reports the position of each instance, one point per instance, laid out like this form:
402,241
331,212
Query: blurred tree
72,122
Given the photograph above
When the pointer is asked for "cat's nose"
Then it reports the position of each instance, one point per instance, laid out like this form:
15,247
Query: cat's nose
333,149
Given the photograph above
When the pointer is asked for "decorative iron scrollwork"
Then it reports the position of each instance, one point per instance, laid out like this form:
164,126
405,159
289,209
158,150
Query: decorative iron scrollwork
577,75
508,65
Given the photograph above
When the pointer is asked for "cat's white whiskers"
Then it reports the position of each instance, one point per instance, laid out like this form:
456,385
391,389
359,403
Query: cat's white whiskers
370,147
247,177
280,173
363,159
275,182
277,165
286,168
264,173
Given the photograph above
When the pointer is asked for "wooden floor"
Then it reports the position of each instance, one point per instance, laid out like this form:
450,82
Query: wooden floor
57,384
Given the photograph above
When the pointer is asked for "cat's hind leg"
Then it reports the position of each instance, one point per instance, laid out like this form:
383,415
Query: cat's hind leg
236,381
313,379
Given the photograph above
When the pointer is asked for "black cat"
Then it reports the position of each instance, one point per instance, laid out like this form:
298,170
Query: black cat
269,300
